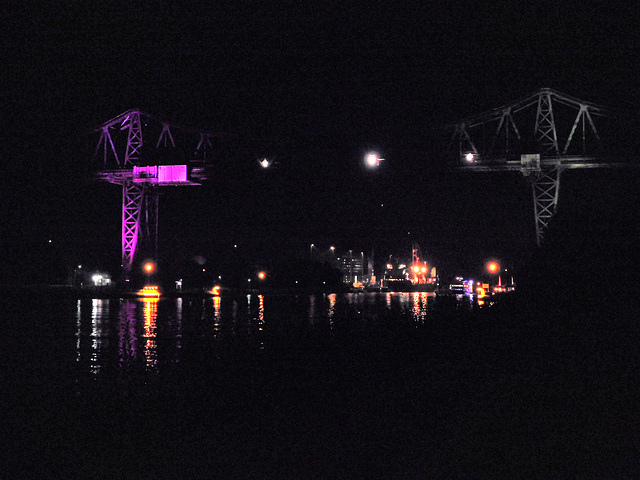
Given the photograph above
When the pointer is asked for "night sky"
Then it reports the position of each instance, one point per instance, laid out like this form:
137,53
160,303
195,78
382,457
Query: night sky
314,85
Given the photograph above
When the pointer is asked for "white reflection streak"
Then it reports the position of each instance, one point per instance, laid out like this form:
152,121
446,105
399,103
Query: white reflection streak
419,306
78,323
99,308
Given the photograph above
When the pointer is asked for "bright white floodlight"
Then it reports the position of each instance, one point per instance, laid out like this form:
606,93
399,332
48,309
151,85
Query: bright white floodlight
372,160
469,157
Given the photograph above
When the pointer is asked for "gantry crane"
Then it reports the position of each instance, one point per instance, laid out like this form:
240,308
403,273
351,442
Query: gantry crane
540,135
142,153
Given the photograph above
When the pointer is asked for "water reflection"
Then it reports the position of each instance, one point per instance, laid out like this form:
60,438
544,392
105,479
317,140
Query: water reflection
312,308
127,337
217,319
91,334
136,328
332,307
420,304
99,312
216,308
261,321
150,316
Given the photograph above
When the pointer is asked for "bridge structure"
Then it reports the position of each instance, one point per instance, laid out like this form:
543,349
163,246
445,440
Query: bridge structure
541,136
143,153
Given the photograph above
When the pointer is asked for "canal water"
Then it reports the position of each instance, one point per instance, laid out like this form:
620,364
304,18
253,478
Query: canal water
366,385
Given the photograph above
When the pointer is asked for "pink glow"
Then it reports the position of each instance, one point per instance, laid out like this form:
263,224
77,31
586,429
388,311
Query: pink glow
172,173
161,174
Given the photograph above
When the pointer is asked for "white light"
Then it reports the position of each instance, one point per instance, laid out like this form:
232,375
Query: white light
469,157
372,160
265,162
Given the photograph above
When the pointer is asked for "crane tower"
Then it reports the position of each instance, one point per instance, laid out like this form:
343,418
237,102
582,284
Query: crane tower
142,153
540,135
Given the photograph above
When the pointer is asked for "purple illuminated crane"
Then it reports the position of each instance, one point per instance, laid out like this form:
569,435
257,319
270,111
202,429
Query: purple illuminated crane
142,152
527,136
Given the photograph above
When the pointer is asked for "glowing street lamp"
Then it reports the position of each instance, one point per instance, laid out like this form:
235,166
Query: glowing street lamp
262,275
149,268
493,267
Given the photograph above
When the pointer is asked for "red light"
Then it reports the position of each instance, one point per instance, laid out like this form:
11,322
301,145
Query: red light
262,275
149,267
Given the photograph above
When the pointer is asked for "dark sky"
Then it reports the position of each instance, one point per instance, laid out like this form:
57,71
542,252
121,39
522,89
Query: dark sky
315,85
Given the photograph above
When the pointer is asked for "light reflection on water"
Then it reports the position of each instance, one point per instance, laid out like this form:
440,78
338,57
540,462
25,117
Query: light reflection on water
150,334
150,316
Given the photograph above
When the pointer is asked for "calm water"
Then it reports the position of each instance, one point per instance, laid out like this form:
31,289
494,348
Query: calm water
153,335
323,386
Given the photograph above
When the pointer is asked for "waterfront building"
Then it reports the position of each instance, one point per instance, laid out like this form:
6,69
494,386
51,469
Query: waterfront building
352,267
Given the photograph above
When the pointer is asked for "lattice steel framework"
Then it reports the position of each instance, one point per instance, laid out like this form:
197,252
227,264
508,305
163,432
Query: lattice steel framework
525,137
123,154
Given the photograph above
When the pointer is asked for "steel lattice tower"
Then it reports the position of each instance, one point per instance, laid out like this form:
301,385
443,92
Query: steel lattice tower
142,153
526,137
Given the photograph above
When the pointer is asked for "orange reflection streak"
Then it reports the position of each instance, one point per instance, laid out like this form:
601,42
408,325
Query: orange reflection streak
332,305
416,306
261,311
216,307
420,303
261,319
150,313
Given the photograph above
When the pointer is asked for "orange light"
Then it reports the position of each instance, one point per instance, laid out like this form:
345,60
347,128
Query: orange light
493,267
149,291
215,290
149,267
416,269
262,275
424,269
